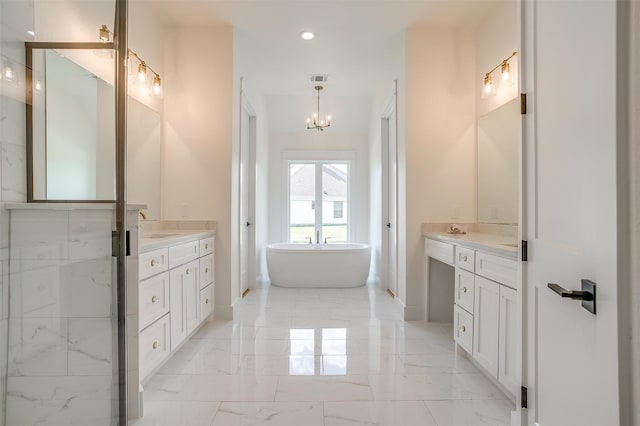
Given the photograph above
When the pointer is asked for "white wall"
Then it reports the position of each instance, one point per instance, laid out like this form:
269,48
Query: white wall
197,139
438,153
496,39
308,143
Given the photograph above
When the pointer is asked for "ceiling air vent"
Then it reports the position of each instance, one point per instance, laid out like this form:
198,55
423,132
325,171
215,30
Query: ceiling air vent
319,78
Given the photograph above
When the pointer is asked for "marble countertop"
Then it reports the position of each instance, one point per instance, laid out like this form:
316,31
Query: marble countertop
170,237
501,245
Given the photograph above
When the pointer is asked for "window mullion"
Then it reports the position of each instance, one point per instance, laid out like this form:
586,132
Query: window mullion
319,205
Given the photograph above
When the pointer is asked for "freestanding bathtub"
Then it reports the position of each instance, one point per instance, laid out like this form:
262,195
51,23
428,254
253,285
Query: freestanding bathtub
318,265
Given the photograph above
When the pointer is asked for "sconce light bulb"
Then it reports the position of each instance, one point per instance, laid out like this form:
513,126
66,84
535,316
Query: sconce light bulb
328,119
38,86
156,84
8,72
488,84
308,120
104,34
142,72
504,69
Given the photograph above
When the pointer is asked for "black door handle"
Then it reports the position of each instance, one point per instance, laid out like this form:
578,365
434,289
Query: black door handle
587,295
389,225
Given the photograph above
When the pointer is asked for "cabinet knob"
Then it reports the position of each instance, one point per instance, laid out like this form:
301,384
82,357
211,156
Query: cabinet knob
155,345
464,289
206,246
465,258
153,262
188,271
154,299
206,301
462,328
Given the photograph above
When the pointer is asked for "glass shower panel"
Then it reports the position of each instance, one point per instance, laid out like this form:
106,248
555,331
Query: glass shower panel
62,347
302,202
335,202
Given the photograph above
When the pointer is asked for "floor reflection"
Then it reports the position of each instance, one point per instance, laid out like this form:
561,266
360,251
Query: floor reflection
323,353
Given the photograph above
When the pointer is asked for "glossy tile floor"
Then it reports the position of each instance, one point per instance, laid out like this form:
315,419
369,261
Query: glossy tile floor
321,357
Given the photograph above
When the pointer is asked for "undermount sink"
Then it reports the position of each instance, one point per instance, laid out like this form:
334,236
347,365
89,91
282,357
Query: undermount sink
159,235
510,245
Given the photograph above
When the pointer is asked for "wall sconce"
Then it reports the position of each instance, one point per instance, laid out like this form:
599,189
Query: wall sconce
105,36
505,75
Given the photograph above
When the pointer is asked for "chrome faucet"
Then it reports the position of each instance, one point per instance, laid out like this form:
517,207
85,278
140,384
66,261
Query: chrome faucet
317,236
325,239
310,240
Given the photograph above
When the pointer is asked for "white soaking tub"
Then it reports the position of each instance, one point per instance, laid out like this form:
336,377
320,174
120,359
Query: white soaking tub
318,265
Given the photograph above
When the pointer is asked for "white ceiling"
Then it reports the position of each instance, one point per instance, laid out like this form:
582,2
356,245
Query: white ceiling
352,44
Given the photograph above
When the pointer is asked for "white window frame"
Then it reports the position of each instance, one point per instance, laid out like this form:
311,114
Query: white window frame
317,157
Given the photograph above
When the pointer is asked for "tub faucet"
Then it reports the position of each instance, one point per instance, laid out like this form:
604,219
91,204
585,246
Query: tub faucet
310,240
317,236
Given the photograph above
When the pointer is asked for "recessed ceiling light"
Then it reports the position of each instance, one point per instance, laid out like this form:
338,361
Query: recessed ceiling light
307,35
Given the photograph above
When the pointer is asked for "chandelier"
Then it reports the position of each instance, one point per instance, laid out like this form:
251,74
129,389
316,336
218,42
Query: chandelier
315,122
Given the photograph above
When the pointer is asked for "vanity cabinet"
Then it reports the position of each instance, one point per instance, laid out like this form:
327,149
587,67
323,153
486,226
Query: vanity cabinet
485,322
176,294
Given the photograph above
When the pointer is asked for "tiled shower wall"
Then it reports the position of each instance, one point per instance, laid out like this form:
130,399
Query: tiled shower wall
16,18
60,357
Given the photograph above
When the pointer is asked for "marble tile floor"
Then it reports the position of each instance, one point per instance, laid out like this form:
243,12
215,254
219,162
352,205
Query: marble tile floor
321,357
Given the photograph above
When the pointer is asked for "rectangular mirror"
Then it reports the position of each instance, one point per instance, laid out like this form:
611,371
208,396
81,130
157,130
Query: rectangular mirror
143,157
499,137
71,124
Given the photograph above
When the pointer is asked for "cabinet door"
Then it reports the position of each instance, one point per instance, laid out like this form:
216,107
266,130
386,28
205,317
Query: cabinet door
192,295
507,365
485,324
183,284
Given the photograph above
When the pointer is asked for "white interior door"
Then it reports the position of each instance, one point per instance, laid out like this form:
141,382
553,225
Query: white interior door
570,198
246,223
390,197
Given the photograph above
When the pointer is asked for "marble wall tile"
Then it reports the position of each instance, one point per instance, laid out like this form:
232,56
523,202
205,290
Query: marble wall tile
89,234
86,289
90,346
14,172
39,238
37,346
35,293
59,400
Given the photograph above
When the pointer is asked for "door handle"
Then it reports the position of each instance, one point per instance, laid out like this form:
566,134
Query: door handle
389,225
248,224
587,295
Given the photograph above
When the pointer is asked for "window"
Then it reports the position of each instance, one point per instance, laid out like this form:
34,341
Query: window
324,184
337,209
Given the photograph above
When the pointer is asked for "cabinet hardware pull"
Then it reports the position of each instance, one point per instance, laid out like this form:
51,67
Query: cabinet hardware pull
154,299
462,328
206,269
153,262
206,246
188,271
206,301
465,258
464,289
155,345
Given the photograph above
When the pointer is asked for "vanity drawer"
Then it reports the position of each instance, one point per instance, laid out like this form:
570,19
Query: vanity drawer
154,299
154,345
207,299
439,250
496,268
465,258
153,262
464,289
183,253
206,270
463,329
206,246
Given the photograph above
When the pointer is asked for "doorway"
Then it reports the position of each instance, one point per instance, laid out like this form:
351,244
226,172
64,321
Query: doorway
247,196
389,130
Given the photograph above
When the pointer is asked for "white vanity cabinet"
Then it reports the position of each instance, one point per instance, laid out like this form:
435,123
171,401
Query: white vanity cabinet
175,295
485,322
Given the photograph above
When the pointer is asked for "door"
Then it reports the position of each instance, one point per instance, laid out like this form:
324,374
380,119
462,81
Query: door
246,231
390,189
570,199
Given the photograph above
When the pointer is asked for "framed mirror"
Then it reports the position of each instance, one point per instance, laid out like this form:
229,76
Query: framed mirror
70,122
499,136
